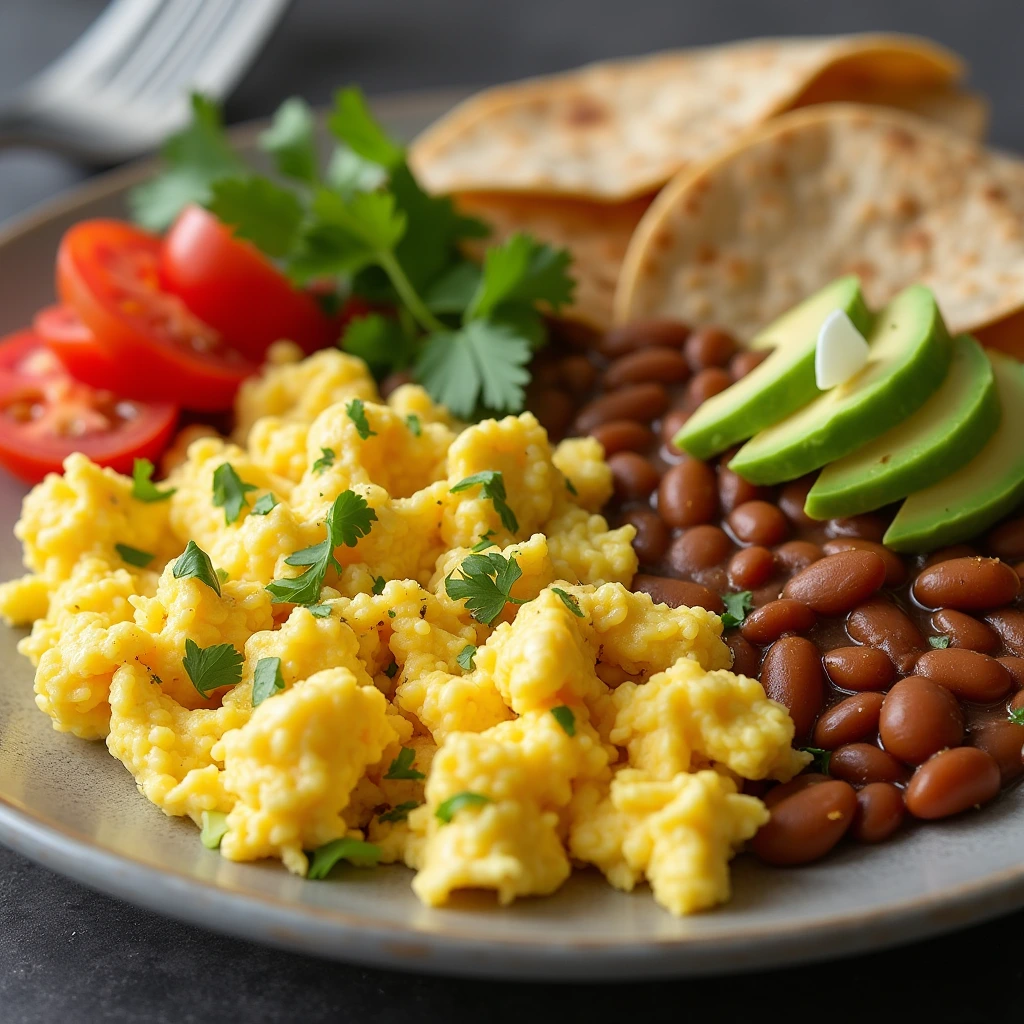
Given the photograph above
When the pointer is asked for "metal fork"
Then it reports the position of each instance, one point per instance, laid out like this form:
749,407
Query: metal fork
124,85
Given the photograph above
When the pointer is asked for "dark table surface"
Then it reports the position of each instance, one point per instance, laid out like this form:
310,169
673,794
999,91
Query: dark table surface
70,955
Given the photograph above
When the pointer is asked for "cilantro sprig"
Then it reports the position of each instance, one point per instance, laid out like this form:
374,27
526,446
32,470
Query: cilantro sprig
1016,715
485,584
210,668
737,607
356,412
565,717
447,809
492,486
355,851
266,680
143,488
400,812
939,642
229,491
133,556
194,561
402,766
821,758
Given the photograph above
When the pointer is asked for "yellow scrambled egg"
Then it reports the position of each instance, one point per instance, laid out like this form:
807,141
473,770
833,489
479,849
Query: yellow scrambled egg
583,724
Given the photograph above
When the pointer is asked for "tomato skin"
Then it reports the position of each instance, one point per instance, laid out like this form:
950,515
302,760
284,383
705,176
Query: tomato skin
230,285
107,270
66,336
32,447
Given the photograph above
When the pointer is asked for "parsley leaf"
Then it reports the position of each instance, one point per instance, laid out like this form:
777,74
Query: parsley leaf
940,642
258,210
194,561
485,584
319,611
412,421
355,851
570,486
133,556
266,680
450,807
264,505
229,491
570,602
347,172
210,668
1016,716
737,606
821,758
467,658
325,461
392,670
214,828
356,412
492,486
290,140
522,271
401,766
143,488
566,719
379,583
399,812
484,542
379,341
352,123
349,519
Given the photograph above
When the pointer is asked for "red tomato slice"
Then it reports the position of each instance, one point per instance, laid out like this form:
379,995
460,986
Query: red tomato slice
107,271
66,336
230,285
45,415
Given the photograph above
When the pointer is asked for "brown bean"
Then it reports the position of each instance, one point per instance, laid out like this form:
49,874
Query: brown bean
919,718
766,624
795,555
640,402
948,554
967,584
1006,541
895,570
965,631
880,812
837,583
1005,742
658,365
791,674
652,536
879,623
705,385
968,674
859,668
865,527
751,568
743,362
952,781
633,476
578,374
746,658
623,436
554,409
792,498
673,422
643,334
688,495
733,490
698,548
1017,704
848,721
1015,666
678,593
1009,624
708,346
806,825
1018,568
758,522
864,763
777,794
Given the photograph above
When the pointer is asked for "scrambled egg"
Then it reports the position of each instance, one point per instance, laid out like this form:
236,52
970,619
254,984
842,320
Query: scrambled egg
579,723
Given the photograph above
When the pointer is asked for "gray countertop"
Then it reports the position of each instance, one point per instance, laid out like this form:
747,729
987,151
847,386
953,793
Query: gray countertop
70,955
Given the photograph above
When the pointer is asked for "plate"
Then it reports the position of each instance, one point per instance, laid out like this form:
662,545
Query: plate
70,806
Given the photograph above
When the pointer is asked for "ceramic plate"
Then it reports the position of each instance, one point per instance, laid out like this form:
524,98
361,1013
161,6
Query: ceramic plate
72,807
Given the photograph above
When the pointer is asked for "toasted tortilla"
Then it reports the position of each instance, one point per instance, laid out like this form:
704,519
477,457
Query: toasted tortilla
826,191
615,131
597,235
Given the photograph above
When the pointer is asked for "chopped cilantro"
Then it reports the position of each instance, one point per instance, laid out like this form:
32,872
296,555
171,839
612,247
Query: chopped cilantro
133,556
325,461
412,421
223,575
566,719
492,486
522,271
319,611
1016,716
570,486
450,807
737,606
484,542
260,211
229,491
264,505
143,488
399,812
379,583
214,828
821,758
467,658
401,766
210,668
355,851
194,561
291,141
940,642
570,602
356,412
392,670
266,680
391,613
485,584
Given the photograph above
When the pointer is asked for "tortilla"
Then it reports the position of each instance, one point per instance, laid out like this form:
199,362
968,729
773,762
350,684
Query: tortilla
597,235
827,191
619,130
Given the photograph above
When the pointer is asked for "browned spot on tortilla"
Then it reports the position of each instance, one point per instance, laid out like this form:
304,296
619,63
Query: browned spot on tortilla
585,111
864,269
900,138
906,206
918,238
663,239
705,253
995,194
777,168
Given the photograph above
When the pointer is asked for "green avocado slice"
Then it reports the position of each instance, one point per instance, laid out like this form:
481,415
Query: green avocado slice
783,383
909,355
967,502
943,435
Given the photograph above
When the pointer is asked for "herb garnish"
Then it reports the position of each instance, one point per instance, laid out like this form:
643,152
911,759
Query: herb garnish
566,719
484,542
264,505
355,851
194,561
214,828
143,488
356,412
229,491
266,680
1016,716
821,758
450,807
399,812
210,668
412,421
133,556
570,602
737,607
379,583
485,584
492,486
319,611
325,461
940,642
467,658
401,766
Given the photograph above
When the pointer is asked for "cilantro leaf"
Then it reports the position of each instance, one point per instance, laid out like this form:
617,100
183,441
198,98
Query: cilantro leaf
492,486
400,812
570,602
484,542
737,606
379,583
566,719
257,209
194,561
264,504
325,461
352,123
392,670
450,807
355,851
349,519
210,668
570,486
194,158
290,140
266,680
1016,715
348,172
229,491
223,575
453,291
940,642
412,421
319,611
133,556
821,758
214,828
379,341
524,271
467,658
371,220
356,412
485,584
401,766
143,488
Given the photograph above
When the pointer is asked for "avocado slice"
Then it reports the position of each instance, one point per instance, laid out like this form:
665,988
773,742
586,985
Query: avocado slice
910,354
967,502
783,383
943,435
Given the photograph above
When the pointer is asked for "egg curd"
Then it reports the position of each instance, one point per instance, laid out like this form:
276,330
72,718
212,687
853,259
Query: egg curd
583,724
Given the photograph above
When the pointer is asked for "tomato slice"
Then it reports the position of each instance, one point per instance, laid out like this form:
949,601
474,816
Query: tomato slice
107,271
230,285
62,331
45,415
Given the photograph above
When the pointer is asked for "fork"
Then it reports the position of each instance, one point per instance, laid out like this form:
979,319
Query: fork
123,85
